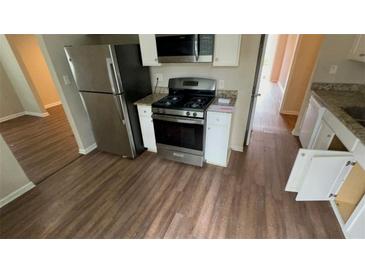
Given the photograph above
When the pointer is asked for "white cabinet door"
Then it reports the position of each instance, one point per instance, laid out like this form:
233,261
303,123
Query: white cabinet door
147,43
324,137
357,52
217,138
355,226
310,124
317,172
146,123
227,50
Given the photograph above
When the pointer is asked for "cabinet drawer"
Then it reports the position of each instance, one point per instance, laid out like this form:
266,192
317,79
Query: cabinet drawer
218,118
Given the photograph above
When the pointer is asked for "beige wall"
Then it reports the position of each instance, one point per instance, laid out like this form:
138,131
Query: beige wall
236,78
29,100
278,57
287,59
31,59
304,62
9,101
334,51
12,176
53,50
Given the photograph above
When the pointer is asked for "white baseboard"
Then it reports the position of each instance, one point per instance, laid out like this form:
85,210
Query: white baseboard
295,132
52,104
87,150
11,116
15,194
44,114
237,148
289,112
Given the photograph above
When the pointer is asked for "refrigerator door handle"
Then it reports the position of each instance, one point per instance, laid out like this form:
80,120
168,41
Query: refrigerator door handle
119,105
111,73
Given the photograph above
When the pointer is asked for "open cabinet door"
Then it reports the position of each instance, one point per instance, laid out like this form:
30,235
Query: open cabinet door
317,172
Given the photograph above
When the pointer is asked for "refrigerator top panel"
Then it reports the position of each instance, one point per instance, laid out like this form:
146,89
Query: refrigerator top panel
92,68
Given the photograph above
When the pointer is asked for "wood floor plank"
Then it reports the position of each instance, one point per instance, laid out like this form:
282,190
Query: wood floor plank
104,196
41,145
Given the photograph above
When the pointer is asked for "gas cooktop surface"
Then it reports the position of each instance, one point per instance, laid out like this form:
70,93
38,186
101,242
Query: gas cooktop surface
184,102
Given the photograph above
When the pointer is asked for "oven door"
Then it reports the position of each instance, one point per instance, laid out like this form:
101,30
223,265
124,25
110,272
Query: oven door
179,134
177,48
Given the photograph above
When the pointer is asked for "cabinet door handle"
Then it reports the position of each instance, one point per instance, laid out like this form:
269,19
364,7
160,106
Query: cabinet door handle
362,54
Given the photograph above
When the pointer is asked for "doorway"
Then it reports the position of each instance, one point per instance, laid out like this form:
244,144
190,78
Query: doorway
287,64
42,145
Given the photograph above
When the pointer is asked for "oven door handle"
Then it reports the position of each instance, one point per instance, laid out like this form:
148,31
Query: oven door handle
178,120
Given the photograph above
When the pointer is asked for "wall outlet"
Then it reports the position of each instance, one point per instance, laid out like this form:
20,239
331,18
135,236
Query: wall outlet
66,80
221,84
159,76
333,69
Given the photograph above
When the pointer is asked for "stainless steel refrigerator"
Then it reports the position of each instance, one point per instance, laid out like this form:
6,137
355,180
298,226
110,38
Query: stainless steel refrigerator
110,78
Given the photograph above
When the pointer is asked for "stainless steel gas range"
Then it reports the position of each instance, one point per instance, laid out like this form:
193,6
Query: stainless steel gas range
179,119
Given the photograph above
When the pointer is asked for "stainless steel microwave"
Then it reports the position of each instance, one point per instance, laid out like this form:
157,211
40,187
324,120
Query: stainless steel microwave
185,48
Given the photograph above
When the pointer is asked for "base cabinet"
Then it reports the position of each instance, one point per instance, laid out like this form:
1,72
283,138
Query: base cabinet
217,149
331,173
148,132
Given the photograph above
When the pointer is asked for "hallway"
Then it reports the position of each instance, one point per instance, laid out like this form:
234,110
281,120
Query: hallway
42,146
267,117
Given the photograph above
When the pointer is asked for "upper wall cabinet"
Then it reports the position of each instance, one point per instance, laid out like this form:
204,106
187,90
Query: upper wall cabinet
148,47
227,50
357,52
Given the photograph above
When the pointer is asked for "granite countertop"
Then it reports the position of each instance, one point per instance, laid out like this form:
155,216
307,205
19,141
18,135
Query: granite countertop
335,97
148,100
221,107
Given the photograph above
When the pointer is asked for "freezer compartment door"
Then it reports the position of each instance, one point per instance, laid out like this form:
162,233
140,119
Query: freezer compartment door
108,123
92,68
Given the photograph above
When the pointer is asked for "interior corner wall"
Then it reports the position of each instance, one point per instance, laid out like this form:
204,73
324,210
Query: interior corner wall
27,98
287,60
278,58
52,47
34,66
306,55
334,51
10,105
13,181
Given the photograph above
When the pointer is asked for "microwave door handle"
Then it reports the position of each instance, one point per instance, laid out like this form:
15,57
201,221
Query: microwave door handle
196,47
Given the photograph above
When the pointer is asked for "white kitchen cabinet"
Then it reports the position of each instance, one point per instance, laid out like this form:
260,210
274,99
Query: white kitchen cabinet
357,51
147,43
227,50
335,176
311,123
217,150
148,132
323,136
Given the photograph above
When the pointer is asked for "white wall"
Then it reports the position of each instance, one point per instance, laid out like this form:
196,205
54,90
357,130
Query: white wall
30,101
334,51
52,47
9,101
13,181
34,66
239,78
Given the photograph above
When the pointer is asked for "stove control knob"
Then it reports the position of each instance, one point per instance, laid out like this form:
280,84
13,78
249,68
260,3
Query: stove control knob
188,113
194,114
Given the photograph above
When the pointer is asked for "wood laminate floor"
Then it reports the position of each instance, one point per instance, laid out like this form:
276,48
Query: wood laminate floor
42,146
103,196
